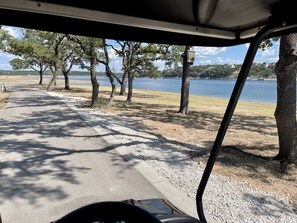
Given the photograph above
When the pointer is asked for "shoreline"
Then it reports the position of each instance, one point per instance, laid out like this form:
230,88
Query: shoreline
80,83
199,89
195,101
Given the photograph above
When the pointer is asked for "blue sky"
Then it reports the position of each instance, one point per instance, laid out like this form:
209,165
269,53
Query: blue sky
203,55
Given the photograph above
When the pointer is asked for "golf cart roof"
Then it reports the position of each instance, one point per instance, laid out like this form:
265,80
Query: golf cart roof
181,22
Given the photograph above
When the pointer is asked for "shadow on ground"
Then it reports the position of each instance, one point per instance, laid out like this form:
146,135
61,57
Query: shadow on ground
196,119
33,148
269,206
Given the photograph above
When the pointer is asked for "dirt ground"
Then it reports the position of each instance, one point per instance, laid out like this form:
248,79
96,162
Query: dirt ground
248,147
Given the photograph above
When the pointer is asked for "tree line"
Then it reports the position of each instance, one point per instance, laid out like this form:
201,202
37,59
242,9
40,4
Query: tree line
47,72
210,71
224,71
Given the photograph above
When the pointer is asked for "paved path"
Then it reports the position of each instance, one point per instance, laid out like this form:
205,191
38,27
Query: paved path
52,162
166,164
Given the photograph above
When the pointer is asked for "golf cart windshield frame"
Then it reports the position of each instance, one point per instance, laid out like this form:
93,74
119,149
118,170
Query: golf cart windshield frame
282,21
241,79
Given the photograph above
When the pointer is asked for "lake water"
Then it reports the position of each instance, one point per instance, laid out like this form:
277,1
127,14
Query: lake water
254,90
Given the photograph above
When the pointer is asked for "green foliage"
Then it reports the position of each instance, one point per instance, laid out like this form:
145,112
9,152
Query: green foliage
226,71
174,58
263,70
19,64
138,58
88,48
268,43
102,102
4,38
31,50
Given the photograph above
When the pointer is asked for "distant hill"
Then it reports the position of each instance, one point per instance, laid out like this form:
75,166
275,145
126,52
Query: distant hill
28,72
226,71
211,71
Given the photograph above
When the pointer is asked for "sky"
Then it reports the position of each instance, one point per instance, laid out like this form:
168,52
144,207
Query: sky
203,55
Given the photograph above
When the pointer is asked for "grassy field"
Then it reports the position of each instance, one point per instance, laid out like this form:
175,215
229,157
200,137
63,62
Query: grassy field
16,79
3,99
252,133
8,80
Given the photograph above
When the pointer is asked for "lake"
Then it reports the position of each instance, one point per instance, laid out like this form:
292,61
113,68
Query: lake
254,90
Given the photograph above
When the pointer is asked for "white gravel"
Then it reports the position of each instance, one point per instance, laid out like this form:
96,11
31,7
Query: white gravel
224,199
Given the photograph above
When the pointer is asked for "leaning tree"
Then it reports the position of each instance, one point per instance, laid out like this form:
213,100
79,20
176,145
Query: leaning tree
89,56
285,113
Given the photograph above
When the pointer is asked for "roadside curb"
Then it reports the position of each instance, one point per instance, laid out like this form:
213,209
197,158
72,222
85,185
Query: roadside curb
176,197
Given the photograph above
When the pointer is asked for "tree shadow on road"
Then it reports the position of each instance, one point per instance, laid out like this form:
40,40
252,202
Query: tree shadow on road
33,148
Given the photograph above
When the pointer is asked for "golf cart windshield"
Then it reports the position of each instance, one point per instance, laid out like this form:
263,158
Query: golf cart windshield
188,22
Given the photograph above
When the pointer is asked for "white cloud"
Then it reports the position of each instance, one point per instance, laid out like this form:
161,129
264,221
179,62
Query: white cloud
160,64
112,53
271,54
220,60
115,60
5,55
205,62
208,51
116,64
14,31
5,66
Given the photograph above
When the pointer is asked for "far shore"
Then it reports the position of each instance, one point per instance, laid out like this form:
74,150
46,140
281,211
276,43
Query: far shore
103,76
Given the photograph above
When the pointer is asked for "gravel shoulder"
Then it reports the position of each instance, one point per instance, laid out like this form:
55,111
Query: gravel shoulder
224,199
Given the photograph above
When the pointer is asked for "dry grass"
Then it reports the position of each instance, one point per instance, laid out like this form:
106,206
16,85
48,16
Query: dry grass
252,132
15,80
3,99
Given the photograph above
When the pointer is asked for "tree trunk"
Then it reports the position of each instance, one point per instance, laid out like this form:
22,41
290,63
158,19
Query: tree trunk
285,113
40,77
113,87
66,76
53,80
123,84
130,87
184,97
95,84
112,94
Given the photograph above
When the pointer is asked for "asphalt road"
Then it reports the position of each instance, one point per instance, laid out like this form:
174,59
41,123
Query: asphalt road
52,162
